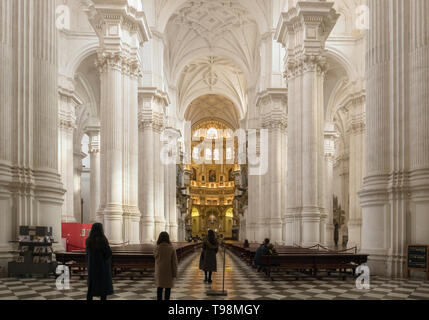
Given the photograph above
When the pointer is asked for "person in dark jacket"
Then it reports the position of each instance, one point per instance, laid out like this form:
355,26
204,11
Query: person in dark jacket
165,266
262,250
99,258
208,261
246,244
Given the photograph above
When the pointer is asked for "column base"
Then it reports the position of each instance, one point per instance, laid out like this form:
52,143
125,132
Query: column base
385,265
276,229
329,239
354,228
68,219
250,233
5,257
159,227
113,223
147,230
173,231
260,233
311,219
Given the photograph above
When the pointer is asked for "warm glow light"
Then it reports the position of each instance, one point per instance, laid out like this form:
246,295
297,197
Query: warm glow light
212,133
229,213
195,212
208,154
195,153
228,153
216,156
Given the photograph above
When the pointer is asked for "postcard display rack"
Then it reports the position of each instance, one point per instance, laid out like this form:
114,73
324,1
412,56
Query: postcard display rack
35,252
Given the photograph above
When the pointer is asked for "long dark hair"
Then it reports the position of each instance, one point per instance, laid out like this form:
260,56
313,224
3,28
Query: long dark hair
164,237
211,237
95,236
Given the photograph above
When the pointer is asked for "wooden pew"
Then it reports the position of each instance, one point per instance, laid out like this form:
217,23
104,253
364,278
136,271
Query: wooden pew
313,262
130,258
306,261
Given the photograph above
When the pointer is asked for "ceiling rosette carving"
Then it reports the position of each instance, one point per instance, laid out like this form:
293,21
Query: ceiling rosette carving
213,19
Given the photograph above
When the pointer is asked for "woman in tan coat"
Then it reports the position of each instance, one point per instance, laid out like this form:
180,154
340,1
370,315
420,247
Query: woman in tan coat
165,265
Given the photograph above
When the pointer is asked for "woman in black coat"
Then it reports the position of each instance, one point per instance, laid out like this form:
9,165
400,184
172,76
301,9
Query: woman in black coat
99,258
208,261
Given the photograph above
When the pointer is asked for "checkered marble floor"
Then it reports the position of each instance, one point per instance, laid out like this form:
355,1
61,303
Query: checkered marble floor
242,283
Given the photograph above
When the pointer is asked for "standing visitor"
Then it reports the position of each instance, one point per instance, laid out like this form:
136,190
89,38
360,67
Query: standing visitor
165,266
208,261
99,259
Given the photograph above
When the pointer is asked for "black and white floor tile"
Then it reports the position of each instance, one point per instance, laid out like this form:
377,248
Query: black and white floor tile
241,282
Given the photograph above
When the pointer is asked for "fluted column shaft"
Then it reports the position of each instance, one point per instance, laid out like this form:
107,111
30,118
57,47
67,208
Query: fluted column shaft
384,195
330,136
6,125
67,125
77,185
419,120
36,183
292,217
111,119
273,106
300,31
159,174
121,30
152,103
131,149
356,169
146,182
94,153
44,107
171,136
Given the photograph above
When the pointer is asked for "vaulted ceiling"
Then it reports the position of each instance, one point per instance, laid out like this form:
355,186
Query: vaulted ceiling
212,48
212,107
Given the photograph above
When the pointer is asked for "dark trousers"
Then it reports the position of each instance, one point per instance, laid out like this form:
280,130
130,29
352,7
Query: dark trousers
210,274
167,293
89,297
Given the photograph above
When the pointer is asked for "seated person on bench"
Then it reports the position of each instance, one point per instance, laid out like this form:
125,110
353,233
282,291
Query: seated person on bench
262,250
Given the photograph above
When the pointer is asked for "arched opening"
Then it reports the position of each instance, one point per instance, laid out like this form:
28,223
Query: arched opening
214,178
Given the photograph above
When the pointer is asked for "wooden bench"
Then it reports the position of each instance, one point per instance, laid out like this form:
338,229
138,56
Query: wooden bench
312,261
125,259
312,264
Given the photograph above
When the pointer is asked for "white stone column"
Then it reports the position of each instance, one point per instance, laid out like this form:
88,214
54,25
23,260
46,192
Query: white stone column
77,173
419,122
6,129
356,169
151,105
273,104
330,136
132,213
67,125
159,184
121,29
171,184
40,29
93,133
304,30
384,192
256,212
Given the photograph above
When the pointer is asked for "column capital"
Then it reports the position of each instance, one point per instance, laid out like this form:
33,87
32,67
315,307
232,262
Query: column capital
67,103
357,114
312,20
121,28
303,31
330,136
152,108
118,24
272,104
93,133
